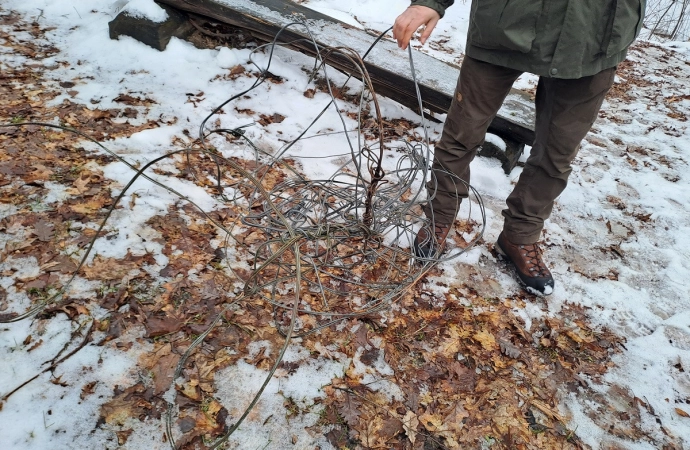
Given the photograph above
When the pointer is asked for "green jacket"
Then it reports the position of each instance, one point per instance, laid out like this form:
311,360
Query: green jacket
554,38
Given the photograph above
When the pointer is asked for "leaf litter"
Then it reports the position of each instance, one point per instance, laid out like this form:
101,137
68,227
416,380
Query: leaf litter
444,369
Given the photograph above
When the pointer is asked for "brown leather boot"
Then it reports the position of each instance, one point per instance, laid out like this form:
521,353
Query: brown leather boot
529,266
428,246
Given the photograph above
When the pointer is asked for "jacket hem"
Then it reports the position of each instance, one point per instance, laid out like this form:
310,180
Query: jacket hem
519,61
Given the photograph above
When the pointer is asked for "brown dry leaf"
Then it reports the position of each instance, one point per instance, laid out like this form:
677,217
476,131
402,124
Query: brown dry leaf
370,434
190,389
682,413
505,419
162,325
206,420
275,118
466,378
87,389
450,345
508,349
118,410
410,424
432,422
486,339
133,101
391,428
91,205
349,409
44,230
237,70
163,373
454,420
123,435
109,268
579,336
543,407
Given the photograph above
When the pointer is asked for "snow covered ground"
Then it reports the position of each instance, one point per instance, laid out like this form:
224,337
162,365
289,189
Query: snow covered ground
618,241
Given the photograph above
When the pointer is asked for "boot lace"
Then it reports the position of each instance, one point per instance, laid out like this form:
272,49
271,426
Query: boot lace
535,265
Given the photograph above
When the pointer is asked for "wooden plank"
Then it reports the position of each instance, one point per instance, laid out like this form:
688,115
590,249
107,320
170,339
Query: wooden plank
388,66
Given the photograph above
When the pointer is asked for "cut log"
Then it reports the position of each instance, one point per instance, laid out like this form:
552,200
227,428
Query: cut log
509,156
154,34
388,66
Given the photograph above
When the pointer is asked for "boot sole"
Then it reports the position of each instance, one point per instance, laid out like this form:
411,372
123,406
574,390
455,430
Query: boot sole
504,257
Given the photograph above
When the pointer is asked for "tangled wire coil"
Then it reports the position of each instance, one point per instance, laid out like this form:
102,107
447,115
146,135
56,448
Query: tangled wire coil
334,248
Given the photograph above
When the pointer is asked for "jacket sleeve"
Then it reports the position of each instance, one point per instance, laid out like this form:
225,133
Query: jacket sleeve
439,6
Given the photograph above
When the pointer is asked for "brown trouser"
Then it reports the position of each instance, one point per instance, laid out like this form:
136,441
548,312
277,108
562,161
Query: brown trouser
565,111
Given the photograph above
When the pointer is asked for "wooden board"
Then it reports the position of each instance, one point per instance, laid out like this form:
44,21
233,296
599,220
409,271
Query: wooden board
388,66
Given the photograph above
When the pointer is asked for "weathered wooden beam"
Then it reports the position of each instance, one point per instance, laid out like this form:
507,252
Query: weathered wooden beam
387,65
154,34
508,156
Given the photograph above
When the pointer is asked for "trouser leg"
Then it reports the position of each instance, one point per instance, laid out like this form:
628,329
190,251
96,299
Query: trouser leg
565,111
479,94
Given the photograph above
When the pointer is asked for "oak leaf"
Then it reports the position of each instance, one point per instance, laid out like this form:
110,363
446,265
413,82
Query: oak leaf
350,411
450,345
109,268
410,424
486,339
44,230
508,349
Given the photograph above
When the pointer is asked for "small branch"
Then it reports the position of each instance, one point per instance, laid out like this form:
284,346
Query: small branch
86,340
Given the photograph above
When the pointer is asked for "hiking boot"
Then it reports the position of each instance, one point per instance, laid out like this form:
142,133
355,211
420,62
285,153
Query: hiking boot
428,246
529,266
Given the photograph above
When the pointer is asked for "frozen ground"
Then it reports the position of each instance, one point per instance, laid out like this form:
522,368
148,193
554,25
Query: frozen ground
617,242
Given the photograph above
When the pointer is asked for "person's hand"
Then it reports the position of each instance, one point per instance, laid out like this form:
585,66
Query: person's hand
409,21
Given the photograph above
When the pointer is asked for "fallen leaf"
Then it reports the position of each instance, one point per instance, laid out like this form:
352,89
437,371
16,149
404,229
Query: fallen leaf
682,413
350,411
410,424
454,419
87,389
450,345
508,349
162,325
486,339
109,268
44,230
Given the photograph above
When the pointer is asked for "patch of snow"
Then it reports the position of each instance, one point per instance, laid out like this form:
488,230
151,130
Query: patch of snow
145,9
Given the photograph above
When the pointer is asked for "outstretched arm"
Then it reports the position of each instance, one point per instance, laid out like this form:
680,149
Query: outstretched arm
409,21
